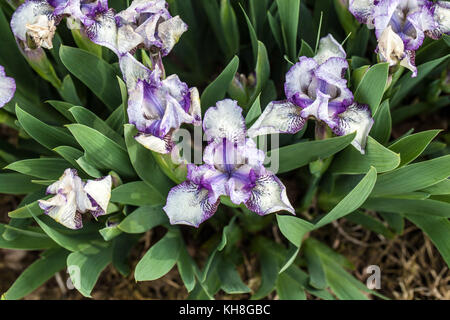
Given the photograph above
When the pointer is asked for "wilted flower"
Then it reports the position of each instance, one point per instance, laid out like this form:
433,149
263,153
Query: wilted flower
315,87
233,167
7,87
409,20
74,197
158,107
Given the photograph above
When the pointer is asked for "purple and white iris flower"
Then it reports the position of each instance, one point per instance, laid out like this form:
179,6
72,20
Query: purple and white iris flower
7,87
158,106
316,88
401,26
233,167
73,197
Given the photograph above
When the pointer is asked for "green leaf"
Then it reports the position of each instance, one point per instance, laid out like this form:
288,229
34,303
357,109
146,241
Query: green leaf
300,154
90,119
161,257
288,288
85,266
370,223
143,219
351,161
230,278
407,83
306,50
68,91
28,240
44,168
71,155
63,108
37,273
95,73
381,130
145,164
371,88
229,26
352,201
269,274
276,29
438,230
409,206
217,89
252,32
186,268
253,113
317,278
48,136
441,188
137,194
102,151
394,220
16,183
294,229
262,71
413,177
410,147
122,246
289,11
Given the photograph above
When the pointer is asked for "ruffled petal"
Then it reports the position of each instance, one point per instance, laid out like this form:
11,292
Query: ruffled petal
441,15
329,48
225,120
103,30
99,192
156,144
133,70
357,118
320,110
7,87
63,209
362,10
298,80
278,117
268,196
189,204
170,32
127,39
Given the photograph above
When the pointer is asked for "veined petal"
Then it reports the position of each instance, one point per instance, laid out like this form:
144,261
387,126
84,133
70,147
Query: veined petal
189,204
278,117
362,10
357,118
7,87
321,110
298,80
225,120
159,145
99,192
170,32
138,7
133,70
268,196
442,17
329,48
127,39
103,30
63,209
195,108
333,71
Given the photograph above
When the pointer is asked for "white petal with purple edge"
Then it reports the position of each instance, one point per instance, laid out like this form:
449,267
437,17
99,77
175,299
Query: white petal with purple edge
356,118
7,87
362,10
133,70
278,117
269,196
103,31
332,71
63,209
224,121
156,144
189,204
442,18
298,80
127,39
170,32
100,192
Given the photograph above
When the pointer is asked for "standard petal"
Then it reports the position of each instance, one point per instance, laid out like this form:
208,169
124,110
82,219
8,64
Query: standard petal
298,81
63,209
442,17
170,32
159,145
390,47
225,120
103,30
99,192
127,39
362,10
7,87
268,196
188,203
357,118
332,71
133,71
278,117
329,48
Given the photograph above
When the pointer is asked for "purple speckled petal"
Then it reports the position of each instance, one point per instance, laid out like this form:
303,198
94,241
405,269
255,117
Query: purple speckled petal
356,118
7,88
278,117
133,71
189,204
102,30
268,196
225,120
63,209
298,80
441,14
159,145
362,10
99,192
170,32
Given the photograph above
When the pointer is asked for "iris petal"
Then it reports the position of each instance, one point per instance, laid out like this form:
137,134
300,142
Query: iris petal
7,87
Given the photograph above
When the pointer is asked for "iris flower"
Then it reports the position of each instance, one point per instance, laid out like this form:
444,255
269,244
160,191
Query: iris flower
316,88
233,167
7,87
73,197
401,26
